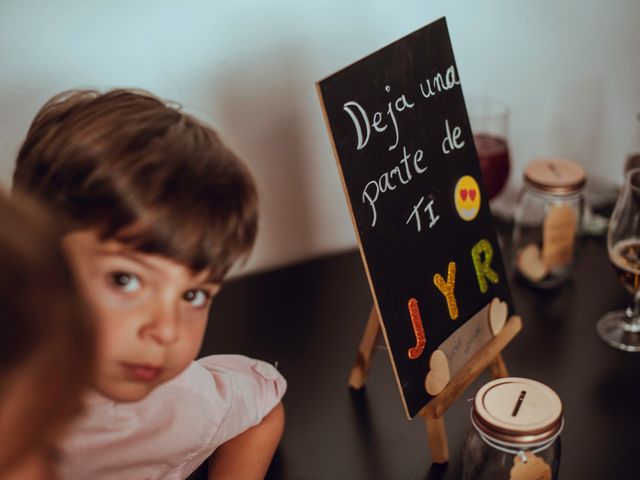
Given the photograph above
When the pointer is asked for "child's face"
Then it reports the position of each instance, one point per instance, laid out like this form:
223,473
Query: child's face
151,313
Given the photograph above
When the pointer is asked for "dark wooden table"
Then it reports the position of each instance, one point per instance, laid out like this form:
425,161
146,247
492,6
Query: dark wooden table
309,318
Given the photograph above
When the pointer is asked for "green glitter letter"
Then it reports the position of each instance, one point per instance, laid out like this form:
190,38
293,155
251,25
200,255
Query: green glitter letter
483,266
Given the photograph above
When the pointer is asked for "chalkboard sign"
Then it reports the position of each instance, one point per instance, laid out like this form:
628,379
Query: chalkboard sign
410,171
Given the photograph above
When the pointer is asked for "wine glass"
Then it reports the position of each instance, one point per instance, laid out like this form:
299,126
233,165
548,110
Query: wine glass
633,150
489,119
621,329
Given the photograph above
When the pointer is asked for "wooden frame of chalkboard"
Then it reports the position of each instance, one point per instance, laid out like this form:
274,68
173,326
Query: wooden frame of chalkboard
409,168
486,356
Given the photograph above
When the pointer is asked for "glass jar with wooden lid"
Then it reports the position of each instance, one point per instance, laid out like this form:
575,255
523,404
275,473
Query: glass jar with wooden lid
547,221
515,433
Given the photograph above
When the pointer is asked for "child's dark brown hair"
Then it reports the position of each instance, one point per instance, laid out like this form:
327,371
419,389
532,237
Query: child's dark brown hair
46,337
143,172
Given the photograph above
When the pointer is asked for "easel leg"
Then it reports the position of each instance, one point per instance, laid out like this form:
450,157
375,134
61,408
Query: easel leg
437,437
498,367
365,351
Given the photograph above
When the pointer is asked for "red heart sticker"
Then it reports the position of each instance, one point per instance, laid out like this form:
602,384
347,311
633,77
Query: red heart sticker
472,195
463,193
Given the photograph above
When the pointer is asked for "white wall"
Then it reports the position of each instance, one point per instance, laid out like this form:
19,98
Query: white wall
569,69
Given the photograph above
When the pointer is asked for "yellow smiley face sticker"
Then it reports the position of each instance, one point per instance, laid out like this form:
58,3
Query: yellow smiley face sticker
467,198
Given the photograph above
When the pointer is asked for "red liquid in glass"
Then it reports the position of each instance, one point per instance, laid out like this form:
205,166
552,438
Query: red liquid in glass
494,162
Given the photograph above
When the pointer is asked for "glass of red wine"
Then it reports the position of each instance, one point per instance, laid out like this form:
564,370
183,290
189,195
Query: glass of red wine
621,329
489,120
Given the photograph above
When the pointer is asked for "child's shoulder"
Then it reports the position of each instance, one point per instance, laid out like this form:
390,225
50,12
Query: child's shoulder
222,380
233,379
239,365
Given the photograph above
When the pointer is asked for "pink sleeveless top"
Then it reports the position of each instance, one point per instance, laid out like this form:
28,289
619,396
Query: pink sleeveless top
176,427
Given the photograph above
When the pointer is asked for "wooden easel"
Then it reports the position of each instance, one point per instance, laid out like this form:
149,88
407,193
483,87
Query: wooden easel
433,412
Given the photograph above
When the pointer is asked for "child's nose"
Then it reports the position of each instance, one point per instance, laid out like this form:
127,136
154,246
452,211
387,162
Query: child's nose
163,327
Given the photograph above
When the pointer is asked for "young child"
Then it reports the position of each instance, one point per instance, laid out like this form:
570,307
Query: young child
46,342
157,210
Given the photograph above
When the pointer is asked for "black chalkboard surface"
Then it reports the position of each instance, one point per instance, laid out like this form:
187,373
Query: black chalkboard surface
410,171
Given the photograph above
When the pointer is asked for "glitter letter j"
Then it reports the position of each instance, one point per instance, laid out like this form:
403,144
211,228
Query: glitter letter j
418,330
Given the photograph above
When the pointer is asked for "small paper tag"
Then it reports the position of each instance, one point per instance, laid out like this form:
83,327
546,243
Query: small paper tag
558,235
464,342
533,469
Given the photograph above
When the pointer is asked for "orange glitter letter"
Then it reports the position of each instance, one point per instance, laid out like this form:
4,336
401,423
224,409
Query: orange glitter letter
418,330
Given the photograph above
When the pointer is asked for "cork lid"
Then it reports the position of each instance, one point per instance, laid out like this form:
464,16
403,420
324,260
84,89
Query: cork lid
517,410
555,175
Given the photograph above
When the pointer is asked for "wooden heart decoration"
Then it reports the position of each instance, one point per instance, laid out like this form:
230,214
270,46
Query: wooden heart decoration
498,312
439,375
530,264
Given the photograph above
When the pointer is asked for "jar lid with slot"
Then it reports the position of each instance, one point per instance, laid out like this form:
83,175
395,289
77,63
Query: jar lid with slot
558,176
517,411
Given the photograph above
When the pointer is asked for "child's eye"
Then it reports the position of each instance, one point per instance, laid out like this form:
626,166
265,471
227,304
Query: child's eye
197,298
127,282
